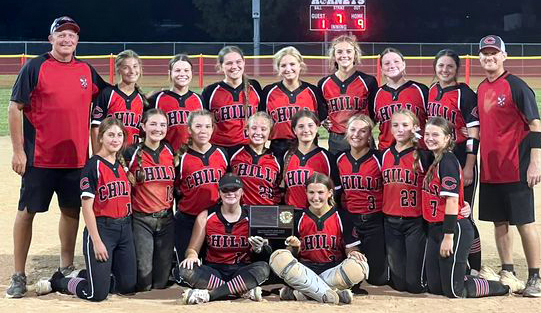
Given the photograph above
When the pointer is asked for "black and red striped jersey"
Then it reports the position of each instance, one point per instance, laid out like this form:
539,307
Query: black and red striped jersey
155,193
299,167
57,99
411,95
113,102
324,239
108,185
177,108
260,175
197,179
346,98
227,106
227,242
506,106
402,183
282,104
447,182
362,183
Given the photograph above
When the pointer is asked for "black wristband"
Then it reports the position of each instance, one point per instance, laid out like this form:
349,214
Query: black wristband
472,145
449,224
535,139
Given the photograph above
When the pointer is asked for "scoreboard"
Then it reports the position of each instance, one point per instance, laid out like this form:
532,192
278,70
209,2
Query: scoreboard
332,17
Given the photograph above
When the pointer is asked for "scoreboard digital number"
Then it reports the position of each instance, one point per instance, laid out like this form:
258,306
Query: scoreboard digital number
338,17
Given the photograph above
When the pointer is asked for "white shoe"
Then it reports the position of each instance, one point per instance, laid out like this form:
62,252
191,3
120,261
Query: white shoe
331,297
254,294
509,279
488,273
286,293
195,296
299,296
43,287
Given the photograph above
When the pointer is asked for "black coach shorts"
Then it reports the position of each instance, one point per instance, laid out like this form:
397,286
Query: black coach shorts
510,202
39,184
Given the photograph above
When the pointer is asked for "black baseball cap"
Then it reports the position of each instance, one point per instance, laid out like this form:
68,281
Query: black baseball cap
64,22
492,41
230,181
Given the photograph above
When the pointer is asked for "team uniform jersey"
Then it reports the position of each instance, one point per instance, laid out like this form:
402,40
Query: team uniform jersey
361,181
227,106
506,105
197,178
227,243
260,175
402,185
282,104
447,182
458,105
411,95
113,102
300,167
346,98
156,192
108,185
177,108
57,99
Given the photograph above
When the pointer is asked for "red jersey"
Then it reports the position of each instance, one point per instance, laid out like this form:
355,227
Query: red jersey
227,243
402,184
156,192
197,177
177,108
447,182
362,184
300,167
282,104
227,105
108,185
506,106
411,95
346,98
113,102
57,99
259,174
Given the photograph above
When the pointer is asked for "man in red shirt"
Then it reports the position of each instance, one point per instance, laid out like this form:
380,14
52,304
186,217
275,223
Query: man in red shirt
49,117
510,162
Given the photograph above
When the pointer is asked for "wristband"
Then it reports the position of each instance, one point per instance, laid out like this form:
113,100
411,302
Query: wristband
535,139
472,146
449,224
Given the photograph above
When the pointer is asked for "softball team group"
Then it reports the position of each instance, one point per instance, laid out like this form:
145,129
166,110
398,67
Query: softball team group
396,212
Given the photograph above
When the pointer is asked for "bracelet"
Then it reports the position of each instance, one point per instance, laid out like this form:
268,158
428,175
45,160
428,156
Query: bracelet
449,223
472,146
535,139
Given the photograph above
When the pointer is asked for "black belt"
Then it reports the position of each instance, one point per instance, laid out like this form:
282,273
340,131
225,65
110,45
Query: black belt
113,220
160,214
402,217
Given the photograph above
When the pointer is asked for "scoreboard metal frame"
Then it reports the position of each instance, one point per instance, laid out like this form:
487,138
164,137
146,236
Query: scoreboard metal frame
337,17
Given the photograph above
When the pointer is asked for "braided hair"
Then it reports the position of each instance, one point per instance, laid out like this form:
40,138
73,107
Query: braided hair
104,126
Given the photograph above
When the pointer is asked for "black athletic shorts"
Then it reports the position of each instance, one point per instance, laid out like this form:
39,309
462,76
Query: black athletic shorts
39,184
511,202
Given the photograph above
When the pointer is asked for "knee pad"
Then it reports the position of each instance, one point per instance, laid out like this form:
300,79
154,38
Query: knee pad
281,262
260,271
185,275
349,273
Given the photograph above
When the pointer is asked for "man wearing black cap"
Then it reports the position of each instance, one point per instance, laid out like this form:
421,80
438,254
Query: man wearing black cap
49,116
510,162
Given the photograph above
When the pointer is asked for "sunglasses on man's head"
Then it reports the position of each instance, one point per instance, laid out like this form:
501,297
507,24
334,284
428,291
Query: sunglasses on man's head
229,189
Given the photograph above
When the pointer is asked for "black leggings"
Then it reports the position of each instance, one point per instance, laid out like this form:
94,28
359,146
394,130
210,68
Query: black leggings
371,233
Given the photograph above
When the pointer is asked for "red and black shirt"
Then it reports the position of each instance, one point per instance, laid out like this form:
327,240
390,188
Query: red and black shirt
177,108
411,95
57,99
260,175
282,104
113,102
506,106
109,186
346,98
227,106
155,193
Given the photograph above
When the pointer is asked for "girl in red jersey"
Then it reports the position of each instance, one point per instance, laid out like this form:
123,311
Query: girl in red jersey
152,169
284,98
256,166
329,262
402,174
457,103
362,186
450,233
232,100
178,101
304,158
229,268
397,93
200,167
124,101
347,91
108,246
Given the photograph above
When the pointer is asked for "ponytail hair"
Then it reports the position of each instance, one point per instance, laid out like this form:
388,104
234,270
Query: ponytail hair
448,130
368,121
449,53
130,54
319,178
414,139
183,148
104,126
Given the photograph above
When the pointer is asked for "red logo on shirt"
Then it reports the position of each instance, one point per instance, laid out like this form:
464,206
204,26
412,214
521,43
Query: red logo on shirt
84,183
449,183
98,112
